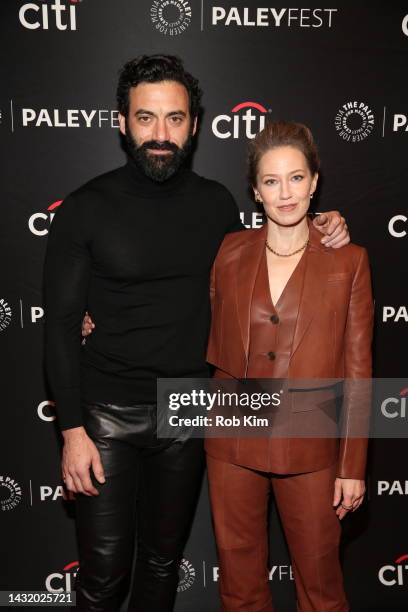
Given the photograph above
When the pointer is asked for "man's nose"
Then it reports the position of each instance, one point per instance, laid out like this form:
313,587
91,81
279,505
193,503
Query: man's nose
161,132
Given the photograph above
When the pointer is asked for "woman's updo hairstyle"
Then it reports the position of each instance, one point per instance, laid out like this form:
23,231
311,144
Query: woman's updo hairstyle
281,134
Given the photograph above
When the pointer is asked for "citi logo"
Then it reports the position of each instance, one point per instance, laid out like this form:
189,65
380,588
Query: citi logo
249,122
57,15
396,227
39,222
405,25
57,582
395,314
395,487
46,411
395,407
394,574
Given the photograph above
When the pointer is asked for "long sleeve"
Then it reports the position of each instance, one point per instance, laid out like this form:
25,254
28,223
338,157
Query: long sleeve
234,223
66,279
358,371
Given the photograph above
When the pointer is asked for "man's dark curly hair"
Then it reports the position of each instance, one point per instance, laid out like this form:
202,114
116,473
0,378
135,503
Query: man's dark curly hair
154,69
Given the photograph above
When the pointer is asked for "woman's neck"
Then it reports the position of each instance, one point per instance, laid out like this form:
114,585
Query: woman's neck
285,239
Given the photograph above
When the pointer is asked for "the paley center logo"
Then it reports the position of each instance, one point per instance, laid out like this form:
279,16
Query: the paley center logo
354,121
170,17
245,119
10,493
395,314
392,487
54,15
255,16
5,314
39,222
187,575
69,118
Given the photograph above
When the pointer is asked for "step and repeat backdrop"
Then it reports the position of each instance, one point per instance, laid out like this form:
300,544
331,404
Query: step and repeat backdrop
342,71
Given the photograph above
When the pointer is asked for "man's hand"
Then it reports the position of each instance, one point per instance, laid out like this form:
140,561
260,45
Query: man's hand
87,325
348,495
334,228
78,455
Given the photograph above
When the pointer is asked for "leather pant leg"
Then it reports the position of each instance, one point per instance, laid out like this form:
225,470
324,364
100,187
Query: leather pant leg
106,531
170,483
239,503
313,533
151,483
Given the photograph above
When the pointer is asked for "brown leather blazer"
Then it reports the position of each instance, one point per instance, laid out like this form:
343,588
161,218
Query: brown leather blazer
332,339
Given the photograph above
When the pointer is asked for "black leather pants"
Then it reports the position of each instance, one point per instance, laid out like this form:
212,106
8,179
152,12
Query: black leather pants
150,494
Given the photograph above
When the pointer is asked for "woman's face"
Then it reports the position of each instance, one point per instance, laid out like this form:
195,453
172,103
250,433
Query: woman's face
284,184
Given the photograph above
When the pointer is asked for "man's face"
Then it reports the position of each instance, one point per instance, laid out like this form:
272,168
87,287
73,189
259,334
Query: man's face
159,128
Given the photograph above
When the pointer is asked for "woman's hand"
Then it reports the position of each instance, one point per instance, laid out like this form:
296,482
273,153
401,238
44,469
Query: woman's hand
348,495
87,325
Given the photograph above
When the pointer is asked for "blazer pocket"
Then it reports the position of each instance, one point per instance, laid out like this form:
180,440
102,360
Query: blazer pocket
338,276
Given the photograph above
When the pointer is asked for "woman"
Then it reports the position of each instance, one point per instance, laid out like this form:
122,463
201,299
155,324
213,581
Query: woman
285,306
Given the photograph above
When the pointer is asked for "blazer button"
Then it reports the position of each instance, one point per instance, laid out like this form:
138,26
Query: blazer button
271,355
275,319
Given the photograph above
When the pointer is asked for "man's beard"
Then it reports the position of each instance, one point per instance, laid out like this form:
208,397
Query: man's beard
158,167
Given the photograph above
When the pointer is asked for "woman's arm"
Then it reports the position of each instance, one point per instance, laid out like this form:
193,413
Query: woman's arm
349,486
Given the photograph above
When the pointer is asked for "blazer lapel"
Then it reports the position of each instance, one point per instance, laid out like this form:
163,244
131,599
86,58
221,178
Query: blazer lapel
318,264
248,264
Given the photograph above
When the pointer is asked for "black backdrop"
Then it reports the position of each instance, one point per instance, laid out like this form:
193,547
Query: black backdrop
340,70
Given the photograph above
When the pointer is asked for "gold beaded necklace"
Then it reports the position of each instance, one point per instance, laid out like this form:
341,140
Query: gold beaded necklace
286,254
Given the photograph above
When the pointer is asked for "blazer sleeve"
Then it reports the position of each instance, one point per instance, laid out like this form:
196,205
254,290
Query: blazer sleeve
355,421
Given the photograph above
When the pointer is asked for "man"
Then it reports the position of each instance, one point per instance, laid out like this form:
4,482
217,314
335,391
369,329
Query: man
135,247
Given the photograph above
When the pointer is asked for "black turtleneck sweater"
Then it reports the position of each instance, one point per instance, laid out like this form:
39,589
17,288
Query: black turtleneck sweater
137,255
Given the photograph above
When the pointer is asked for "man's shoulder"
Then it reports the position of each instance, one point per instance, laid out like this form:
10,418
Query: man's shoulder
211,186
101,184
350,257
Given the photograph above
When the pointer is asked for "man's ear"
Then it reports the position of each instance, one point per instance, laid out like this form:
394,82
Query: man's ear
122,124
193,131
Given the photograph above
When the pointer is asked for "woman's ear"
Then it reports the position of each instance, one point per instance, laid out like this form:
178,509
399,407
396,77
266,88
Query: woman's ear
314,182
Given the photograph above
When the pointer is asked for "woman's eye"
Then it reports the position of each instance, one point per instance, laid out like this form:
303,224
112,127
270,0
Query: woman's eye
270,182
297,177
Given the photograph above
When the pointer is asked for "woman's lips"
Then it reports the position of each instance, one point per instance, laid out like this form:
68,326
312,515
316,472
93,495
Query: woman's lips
287,207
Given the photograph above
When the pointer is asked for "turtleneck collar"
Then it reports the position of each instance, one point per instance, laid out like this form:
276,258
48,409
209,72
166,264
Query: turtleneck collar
149,187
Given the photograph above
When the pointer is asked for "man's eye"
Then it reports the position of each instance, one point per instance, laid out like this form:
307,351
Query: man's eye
144,118
176,119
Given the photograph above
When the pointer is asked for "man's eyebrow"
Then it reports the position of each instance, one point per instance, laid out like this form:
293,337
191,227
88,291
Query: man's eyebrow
142,111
